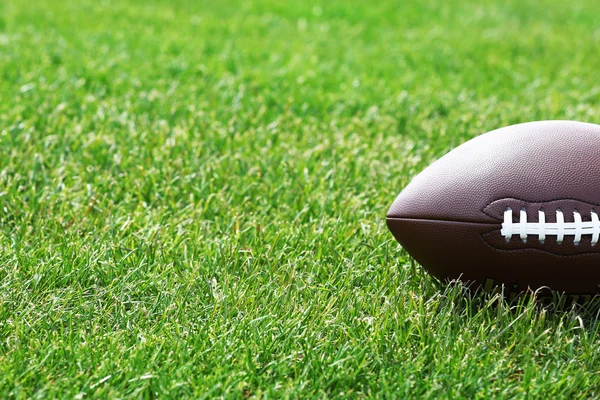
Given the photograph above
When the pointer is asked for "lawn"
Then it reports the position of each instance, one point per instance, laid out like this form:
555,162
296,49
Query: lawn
193,196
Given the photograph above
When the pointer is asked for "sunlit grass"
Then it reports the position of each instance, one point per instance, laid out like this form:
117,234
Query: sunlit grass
192,196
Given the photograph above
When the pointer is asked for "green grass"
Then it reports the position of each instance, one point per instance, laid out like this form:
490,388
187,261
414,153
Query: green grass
193,193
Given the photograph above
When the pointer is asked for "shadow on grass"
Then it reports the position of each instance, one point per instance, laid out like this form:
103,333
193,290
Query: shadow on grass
554,304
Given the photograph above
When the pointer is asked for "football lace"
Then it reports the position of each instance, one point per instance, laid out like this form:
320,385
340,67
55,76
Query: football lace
543,229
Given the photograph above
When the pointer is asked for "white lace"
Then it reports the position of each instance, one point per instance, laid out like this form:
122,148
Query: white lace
542,229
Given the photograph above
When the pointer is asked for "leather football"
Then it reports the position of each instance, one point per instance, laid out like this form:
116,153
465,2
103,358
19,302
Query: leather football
516,207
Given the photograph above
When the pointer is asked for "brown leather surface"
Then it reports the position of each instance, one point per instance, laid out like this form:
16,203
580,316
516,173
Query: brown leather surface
449,217
568,207
550,245
458,250
536,162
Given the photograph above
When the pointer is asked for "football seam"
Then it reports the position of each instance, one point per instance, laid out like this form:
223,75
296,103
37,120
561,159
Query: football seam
440,220
483,210
481,236
534,249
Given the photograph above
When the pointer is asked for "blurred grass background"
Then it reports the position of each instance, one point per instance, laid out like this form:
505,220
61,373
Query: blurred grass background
192,196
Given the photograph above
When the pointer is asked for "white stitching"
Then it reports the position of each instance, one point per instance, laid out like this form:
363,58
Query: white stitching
596,223
578,227
507,230
543,229
542,225
560,222
523,222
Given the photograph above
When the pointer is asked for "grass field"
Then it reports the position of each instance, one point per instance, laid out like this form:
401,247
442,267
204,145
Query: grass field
193,196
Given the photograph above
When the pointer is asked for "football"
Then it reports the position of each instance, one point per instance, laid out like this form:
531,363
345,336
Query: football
514,208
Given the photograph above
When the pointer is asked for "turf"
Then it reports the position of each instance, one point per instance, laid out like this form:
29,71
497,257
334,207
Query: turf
192,196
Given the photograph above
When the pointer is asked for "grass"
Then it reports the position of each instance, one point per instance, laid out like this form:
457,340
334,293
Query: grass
192,196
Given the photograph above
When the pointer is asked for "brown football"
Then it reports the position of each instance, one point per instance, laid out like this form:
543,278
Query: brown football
518,206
